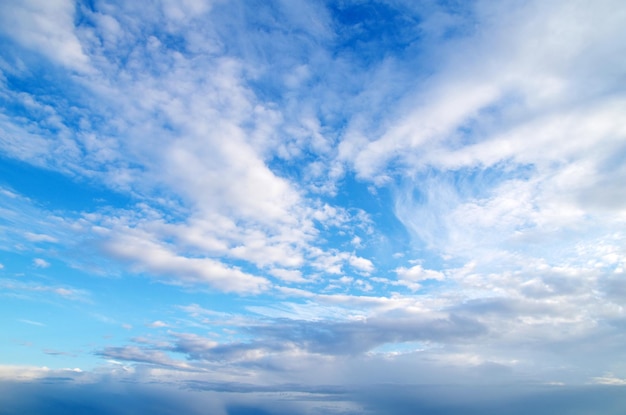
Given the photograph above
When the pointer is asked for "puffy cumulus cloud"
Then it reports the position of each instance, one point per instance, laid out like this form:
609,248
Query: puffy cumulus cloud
332,261
361,264
418,273
288,275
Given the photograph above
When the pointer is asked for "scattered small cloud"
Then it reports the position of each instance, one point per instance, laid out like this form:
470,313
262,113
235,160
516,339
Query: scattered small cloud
361,264
288,275
157,324
418,273
41,263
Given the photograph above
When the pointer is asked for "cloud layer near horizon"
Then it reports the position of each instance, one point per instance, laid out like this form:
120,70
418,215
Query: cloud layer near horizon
62,393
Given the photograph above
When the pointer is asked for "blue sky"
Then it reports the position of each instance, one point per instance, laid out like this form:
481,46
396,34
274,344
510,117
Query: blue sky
312,207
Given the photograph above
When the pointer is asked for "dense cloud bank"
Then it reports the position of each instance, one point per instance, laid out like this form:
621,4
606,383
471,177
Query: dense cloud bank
58,396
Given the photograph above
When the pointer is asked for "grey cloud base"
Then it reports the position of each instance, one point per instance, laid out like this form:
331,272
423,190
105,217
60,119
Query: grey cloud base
57,396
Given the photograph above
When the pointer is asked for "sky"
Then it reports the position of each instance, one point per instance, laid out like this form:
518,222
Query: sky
312,207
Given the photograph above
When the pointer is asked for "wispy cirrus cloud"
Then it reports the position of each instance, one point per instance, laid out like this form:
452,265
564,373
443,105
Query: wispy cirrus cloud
18,287
135,354
31,322
38,237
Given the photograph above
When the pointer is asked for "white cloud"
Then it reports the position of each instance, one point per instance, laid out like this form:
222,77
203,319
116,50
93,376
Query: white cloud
41,263
362,264
158,259
46,27
212,160
37,237
288,275
504,164
180,11
510,107
24,373
158,324
609,379
418,273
